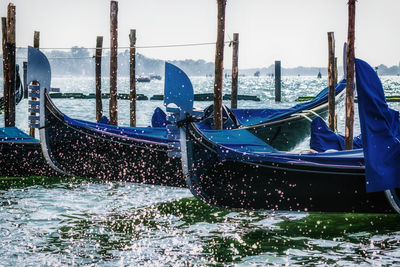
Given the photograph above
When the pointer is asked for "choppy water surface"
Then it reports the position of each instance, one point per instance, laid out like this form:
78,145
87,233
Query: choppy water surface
48,221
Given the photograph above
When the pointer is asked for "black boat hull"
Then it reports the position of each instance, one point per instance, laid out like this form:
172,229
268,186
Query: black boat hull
23,159
85,152
275,186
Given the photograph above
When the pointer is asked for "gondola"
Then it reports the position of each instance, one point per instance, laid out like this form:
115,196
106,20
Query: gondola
237,170
87,149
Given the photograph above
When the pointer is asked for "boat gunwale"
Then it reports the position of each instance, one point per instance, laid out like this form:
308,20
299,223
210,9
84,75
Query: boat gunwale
290,164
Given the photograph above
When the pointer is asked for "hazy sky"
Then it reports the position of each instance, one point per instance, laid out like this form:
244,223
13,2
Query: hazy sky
294,31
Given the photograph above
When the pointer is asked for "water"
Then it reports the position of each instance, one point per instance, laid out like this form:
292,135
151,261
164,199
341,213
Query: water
56,222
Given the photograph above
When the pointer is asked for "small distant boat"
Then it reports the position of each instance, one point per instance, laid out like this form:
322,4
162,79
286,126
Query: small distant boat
319,76
155,77
236,170
143,79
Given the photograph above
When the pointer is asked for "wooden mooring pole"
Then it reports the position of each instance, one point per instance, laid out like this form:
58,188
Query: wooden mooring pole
336,71
235,70
219,65
349,131
4,50
132,81
25,69
36,41
113,107
278,81
331,77
9,77
99,52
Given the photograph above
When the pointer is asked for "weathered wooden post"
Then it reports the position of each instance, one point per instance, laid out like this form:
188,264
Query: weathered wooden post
335,82
336,72
331,77
99,52
348,142
25,69
113,62
219,65
3,46
36,41
278,80
235,70
132,74
9,77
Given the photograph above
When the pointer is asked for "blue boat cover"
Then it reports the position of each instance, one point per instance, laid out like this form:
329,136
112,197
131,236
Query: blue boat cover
159,118
13,134
104,120
379,129
239,140
143,133
323,138
248,117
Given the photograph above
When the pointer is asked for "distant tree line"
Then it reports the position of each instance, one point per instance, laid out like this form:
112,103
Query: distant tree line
79,61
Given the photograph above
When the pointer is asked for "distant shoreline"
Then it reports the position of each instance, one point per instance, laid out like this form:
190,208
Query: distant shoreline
80,62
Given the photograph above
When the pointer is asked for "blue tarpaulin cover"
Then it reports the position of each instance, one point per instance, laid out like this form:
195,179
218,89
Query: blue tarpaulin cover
379,129
13,134
159,118
240,140
143,133
104,120
323,138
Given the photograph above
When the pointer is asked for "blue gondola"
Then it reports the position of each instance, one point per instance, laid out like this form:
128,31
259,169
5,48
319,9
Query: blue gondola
235,169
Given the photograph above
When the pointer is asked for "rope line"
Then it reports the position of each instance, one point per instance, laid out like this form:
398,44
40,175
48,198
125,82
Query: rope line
128,47
25,58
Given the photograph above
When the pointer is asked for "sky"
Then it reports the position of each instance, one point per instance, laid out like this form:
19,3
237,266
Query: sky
293,31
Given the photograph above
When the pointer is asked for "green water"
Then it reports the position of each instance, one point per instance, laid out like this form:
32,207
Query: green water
47,221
